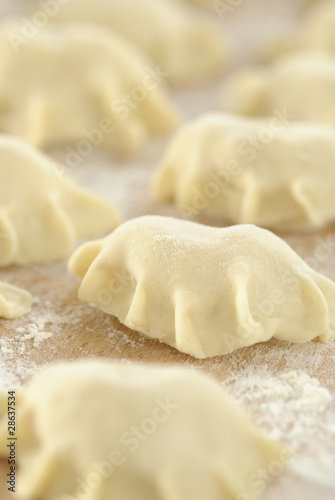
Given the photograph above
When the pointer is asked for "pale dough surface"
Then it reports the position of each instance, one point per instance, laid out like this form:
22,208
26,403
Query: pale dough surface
302,85
77,424
14,302
201,3
43,213
318,28
188,46
206,291
315,32
270,172
68,81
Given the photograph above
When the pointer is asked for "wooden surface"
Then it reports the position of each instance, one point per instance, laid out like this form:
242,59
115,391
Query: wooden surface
81,331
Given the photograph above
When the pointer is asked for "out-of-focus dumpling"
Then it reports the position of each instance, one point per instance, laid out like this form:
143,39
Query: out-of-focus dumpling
187,46
316,32
300,86
318,28
100,431
14,302
206,291
43,214
268,172
200,3
75,83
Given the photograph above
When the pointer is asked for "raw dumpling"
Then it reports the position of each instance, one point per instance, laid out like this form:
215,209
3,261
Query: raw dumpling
256,171
206,291
187,46
14,302
103,431
200,3
317,32
78,84
43,214
300,87
318,29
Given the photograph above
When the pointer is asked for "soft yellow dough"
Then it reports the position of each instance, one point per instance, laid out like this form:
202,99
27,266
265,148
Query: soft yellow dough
301,86
268,172
316,32
43,214
186,45
200,3
101,431
206,291
75,83
318,28
14,302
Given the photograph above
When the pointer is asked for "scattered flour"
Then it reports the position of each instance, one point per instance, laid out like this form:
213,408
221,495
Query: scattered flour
15,364
42,323
291,406
37,329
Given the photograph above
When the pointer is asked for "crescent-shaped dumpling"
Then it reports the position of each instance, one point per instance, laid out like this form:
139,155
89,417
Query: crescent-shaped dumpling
316,32
43,214
106,431
206,291
300,86
75,84
187,46
14,302
268,172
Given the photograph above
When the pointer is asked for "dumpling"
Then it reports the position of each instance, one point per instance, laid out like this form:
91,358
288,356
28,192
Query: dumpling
318,29
187,46
317,32
300,87
14,302
43,214
206,291
272,173
201,3
80,84
99,430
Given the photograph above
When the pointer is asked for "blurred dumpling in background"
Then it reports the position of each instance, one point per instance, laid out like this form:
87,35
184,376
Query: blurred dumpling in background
69,83
187,46
101,431
316,32
200,3
300,86
43,214
14,302
268,172
318,28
